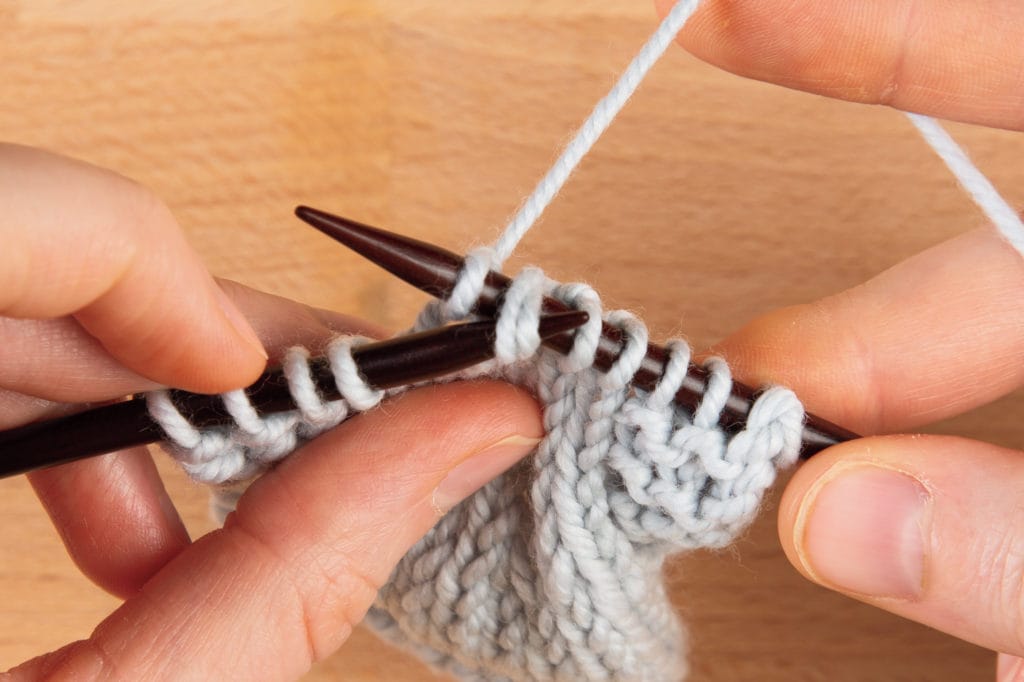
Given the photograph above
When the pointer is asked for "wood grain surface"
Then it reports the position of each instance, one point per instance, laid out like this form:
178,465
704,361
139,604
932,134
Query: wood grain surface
711,200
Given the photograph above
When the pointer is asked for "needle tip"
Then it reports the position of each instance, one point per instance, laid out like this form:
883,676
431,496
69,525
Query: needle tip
331,225
313,216
376,244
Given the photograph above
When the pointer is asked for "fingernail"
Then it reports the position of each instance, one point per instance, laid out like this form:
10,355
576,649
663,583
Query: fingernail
863,529
478,469
238,321
1009,668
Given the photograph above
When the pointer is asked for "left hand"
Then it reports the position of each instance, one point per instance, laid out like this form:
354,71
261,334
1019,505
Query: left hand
100,296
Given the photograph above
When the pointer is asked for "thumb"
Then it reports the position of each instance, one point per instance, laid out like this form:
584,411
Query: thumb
927,527
300,561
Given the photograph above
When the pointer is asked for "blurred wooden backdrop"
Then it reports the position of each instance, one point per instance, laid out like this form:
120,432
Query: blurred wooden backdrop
711,200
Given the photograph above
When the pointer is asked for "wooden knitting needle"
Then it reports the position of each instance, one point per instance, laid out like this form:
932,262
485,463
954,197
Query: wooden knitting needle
434,270
385,364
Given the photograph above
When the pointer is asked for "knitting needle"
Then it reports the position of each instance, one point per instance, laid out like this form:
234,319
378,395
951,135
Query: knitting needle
434,270
385,364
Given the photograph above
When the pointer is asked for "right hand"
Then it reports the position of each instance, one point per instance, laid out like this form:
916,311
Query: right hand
924,526
962,61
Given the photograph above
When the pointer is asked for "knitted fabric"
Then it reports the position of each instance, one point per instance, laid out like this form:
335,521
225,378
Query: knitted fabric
552,571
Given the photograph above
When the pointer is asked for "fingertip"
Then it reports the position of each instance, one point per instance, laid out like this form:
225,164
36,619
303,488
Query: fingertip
281,323
792,516
1009,668
170,322
803,490
224,354
860,527
247,337
915,525
815,350
892,53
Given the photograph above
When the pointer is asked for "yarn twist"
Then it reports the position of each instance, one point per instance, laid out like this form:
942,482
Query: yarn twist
552,571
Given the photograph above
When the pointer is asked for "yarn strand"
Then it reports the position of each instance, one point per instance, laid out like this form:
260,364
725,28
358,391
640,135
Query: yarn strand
985,195
593,127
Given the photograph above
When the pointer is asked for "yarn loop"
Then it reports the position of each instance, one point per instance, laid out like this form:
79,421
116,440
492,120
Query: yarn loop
552,571
622,478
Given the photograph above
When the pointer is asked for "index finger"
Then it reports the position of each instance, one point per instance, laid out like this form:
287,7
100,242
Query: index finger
955,60
932,337
82,241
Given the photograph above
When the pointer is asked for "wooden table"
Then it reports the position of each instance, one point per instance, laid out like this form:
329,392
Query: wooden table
713,199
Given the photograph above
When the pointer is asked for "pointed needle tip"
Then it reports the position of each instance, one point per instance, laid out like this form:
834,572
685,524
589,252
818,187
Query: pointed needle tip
310,215
350,233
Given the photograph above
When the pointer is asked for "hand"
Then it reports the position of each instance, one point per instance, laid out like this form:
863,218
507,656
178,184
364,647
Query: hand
955,60
926,527
100,296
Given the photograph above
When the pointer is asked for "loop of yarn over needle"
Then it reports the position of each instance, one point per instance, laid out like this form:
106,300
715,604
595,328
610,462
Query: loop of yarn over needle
552,571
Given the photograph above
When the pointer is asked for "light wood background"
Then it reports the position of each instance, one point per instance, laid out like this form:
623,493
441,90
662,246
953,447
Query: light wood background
712,199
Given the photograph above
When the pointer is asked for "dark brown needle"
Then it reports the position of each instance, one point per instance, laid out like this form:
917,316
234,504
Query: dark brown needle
385,364
434,270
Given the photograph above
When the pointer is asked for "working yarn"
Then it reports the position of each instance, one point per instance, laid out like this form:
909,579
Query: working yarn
552,571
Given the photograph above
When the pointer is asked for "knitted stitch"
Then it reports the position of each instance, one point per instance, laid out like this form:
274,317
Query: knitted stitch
552,571
254,442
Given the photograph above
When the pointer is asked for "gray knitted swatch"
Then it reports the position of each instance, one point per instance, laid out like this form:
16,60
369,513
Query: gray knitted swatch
552,571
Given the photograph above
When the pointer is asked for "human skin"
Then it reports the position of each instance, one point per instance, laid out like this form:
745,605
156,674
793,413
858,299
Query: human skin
915,525
92,276
310,558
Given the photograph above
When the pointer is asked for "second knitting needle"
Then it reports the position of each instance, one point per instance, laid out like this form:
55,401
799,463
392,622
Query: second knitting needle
435,270
385,364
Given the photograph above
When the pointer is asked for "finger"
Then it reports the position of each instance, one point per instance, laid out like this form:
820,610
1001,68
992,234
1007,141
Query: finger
957,60
925,527
302,557
58,360
934,336
17,409
114,516
68,364
85,242
1009,668
112,512
282,323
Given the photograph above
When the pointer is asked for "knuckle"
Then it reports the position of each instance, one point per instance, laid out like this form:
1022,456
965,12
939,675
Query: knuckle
329,591
1004,554
864,404
894,76
142,206
338,601
82,661
146,227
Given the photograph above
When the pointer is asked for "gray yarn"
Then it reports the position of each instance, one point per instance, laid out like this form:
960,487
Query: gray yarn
552,571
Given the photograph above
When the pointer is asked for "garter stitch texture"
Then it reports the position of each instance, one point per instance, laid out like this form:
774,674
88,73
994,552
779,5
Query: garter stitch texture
552,571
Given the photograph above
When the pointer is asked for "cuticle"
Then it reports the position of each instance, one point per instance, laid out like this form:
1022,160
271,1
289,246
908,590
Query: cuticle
811,498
